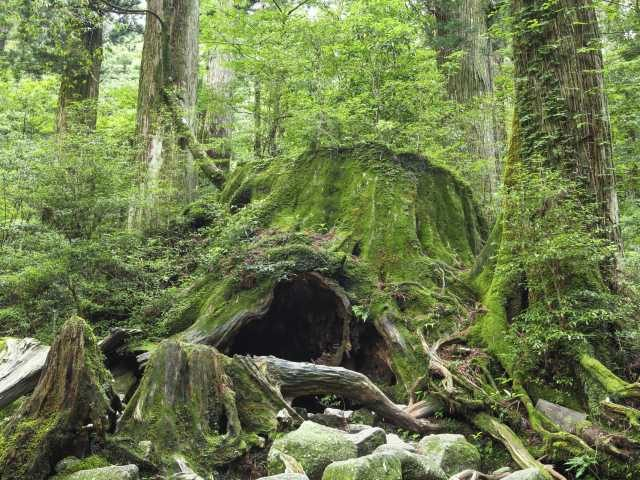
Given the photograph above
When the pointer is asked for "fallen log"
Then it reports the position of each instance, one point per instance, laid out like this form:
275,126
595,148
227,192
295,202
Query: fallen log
296,379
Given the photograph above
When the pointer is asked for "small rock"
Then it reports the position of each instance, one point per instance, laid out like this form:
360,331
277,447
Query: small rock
314,446
368,440
332,421
357,427
528,474
363,416
396,441
286,476
66,463
114,472
451,452
336,412
376,466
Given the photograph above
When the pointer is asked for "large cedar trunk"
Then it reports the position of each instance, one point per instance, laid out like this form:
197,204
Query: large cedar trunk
561,134
561,109
169,67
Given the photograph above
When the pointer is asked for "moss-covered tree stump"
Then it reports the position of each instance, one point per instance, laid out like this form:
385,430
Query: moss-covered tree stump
68,412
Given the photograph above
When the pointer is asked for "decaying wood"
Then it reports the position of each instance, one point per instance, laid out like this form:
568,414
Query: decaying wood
296,379
68,411
21,361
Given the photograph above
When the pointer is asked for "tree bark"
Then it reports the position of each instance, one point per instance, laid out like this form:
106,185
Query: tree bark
462,25
216,125
561,109
169,62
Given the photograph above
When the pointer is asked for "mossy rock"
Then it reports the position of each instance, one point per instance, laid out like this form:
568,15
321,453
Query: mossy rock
450,452
378,465
112,472
314,446
414,466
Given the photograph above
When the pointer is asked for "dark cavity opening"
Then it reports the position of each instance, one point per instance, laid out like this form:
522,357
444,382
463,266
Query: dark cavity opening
306,321
309,320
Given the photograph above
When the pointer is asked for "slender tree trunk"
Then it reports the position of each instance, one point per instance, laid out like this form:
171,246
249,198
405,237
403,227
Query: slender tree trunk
169,66
216,125
80,82
257,118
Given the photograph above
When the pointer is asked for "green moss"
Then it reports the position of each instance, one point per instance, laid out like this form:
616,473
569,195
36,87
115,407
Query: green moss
180,407
394,230
88,463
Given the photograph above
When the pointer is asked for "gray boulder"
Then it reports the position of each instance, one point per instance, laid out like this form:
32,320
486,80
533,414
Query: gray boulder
114,472
414,466
367,440
450,452
528,474
314,446
378,466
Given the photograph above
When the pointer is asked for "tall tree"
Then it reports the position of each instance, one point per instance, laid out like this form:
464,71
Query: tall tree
168,82
550,298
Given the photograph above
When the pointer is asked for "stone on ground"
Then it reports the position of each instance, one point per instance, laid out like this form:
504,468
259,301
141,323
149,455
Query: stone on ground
368,440
377,466
286,476
314,446
114,472
528,474
414,466
451,452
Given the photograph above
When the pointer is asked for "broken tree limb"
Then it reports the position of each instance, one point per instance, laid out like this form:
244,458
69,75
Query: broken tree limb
296,379
614,385
21,361
632,414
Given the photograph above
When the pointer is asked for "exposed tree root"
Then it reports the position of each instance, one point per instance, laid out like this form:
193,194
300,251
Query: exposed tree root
613,385
475,475
512,443
631,414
